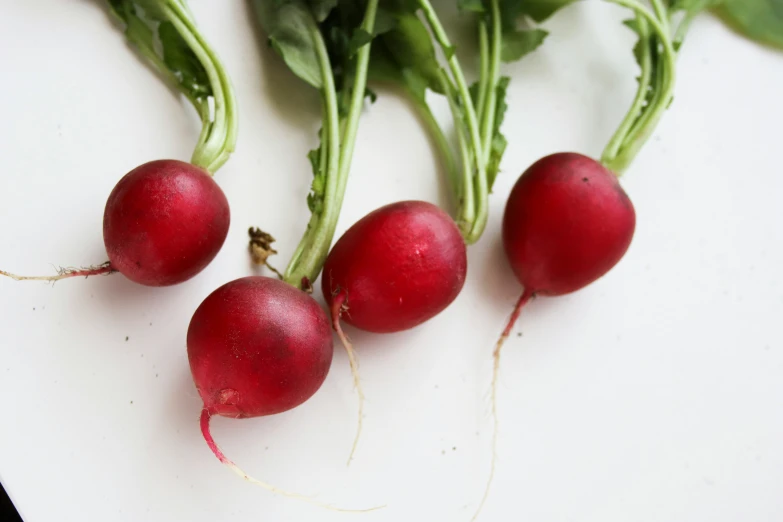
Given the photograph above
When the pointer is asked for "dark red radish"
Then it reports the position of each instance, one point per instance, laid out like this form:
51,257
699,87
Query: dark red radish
394,269
257,346
567,223
164,222
397,267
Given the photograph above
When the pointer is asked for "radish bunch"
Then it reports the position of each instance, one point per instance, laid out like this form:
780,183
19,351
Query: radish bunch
259,346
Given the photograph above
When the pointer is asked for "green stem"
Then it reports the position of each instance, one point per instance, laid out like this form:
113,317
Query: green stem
301,264
441,142
682,29
664,91
662,13
488,123
218,137
484,69
311,259
482,193
466,201
614,145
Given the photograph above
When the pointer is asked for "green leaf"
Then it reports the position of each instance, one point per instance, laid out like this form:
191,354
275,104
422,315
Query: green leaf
359,38
289,26
183,62
499,141
385,21
409,47
692,6
473,6
516,44
760,20
538,10
321,8
473,90
647,42
147,26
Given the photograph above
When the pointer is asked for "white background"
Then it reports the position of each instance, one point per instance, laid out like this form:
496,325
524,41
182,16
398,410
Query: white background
656,394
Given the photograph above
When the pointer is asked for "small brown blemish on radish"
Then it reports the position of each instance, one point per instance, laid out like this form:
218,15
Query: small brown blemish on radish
228,397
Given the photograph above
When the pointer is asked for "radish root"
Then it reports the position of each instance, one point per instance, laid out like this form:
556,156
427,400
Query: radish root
523,300
65,273
205,417
338,306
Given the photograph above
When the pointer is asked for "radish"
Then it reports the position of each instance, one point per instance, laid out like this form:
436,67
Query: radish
567,223
257,346
395,268
567,220
166,220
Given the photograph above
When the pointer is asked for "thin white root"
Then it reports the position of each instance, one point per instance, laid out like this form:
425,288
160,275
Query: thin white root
338,305
269,487
526,296
65,273
357,384
205,416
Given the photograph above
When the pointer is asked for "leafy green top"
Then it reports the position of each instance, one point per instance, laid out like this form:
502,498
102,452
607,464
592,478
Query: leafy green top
661,35
405,54
165,33
760,20
326,43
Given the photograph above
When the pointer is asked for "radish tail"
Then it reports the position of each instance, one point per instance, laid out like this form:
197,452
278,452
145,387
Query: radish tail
65,273
205,416
523,300
338,305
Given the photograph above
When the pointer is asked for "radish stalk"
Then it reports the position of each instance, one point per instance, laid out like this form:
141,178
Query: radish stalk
328,46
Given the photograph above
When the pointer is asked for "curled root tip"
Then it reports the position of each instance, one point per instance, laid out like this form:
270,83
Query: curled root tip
205,417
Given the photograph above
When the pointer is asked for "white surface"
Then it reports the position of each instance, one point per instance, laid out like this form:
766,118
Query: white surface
654,395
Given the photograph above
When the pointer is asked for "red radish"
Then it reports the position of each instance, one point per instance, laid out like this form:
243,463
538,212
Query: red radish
257,346
567,223
163,223
394,269
397,267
